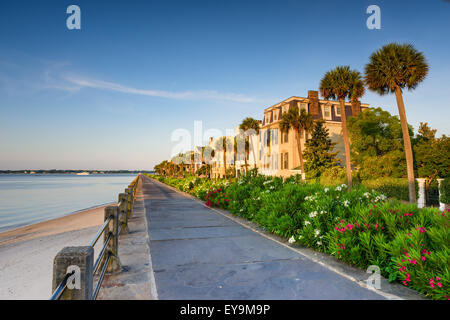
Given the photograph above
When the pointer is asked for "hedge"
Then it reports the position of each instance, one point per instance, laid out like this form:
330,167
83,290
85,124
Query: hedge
391,187
445,191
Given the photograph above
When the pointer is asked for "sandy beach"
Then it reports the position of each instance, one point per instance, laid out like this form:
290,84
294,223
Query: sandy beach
26,253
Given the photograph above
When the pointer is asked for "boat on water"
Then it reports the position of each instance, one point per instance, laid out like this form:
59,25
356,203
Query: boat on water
82,173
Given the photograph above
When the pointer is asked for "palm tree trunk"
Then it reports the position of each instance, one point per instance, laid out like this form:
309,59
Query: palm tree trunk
246,152
300,154
346,144
225,162
407,145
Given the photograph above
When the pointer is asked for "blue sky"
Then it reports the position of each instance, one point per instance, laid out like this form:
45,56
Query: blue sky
109,96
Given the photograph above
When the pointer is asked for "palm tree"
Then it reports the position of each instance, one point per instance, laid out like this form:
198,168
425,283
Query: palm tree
391,69
338,84
246,125
239,142
207,155
300,122
224,144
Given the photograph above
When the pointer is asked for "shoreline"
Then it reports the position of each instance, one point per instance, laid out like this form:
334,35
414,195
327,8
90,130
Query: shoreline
27,252
76,220
20,226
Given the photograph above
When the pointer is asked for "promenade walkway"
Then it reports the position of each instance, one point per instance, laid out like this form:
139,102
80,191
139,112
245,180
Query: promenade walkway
198,253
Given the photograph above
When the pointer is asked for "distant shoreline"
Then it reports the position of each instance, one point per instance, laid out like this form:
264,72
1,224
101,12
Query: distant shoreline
76,220
37,172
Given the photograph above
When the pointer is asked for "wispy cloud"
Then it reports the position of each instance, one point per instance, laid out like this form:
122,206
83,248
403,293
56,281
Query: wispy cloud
194,95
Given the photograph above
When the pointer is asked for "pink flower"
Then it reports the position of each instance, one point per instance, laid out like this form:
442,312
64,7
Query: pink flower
423,258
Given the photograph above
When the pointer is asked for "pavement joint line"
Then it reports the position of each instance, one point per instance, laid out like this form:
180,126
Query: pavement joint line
194,227
360,283
243,263
203,238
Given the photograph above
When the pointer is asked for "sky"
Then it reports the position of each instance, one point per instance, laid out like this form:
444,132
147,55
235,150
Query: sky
113,94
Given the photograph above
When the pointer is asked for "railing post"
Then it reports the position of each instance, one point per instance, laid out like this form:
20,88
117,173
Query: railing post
421,201
129,193
113,245
79,260
123,213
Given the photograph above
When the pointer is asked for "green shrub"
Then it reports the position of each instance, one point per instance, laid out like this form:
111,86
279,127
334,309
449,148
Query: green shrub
333,176
445,191
391,187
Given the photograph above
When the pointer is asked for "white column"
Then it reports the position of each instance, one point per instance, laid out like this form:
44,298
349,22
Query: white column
441,205
421,200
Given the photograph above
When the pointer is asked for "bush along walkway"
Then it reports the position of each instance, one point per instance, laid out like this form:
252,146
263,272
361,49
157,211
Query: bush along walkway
360,227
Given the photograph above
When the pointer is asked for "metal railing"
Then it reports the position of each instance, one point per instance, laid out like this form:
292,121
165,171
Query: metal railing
74,267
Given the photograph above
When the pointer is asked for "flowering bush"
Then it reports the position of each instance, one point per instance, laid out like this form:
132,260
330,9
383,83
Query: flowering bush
360,227
217,198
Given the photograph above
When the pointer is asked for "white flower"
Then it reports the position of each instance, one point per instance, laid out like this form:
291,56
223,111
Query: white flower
313,214
367,195
319,243
316,232
346,203
323,212
344,185
326,189
338,188
291,239
307,222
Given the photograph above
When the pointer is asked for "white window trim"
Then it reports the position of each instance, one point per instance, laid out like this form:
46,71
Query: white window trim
329,111
335,110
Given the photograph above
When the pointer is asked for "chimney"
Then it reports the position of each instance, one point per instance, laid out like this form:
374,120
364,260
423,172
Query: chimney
356,108
313,96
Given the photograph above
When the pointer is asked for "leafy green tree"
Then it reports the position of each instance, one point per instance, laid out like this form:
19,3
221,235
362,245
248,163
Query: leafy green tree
377,145
300,122
319,153
391,69
431,154
339,84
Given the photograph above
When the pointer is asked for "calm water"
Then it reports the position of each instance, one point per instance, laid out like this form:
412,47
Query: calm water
27,199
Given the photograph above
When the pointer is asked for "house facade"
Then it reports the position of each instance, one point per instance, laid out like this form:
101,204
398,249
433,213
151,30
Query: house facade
278,151
275,152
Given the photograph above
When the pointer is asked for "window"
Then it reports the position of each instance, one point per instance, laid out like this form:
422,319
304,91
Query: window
303,106
281,161
326,112
286,161
338,110
286,135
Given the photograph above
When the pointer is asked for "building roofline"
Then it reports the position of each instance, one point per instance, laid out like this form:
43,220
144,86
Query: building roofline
305,98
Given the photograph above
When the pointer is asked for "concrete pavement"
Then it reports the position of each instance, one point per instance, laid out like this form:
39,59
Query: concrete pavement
198,253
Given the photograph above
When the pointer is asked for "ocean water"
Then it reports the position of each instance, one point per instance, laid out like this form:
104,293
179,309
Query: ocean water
27,199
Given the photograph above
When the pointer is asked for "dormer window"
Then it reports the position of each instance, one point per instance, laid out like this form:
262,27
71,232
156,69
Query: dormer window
326,109
337,110
302,106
